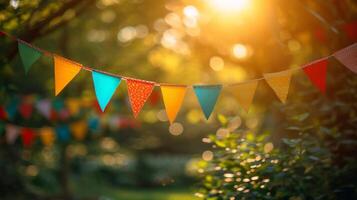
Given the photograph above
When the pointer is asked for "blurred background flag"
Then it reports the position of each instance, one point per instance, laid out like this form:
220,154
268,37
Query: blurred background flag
44,107
28,137
317,72
63,133
280,83
138,91
207,96
12,132
244,93
47,136
348,57
104,87
28,55
173,96
65,71
79,129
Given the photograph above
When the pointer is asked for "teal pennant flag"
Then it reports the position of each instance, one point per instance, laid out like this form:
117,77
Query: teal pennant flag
28,55
104,86
207,96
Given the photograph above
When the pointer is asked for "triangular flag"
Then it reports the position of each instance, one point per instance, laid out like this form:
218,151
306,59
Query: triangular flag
47,136
139,91
12,132
26,109
65,71
63,133
317,72
280,83
28,54
244,92
207,96
79,130
44,107
173,96
104,86
28,137
348,57
73,105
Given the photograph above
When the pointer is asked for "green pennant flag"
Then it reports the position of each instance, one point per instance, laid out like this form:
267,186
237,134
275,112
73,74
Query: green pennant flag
28,55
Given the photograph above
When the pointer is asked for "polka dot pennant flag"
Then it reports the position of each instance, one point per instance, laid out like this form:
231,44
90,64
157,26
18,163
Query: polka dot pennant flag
207,96
317,72
173,96
65,71
139,91
244,93
280,83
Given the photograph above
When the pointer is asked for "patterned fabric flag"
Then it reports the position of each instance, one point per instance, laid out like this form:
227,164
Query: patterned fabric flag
139,91
63,133
44,107
28,54
79,130
104,87
348,57
317,72
207,96
280,83
65,71
244,92
28,137
12,132
173,96
47,136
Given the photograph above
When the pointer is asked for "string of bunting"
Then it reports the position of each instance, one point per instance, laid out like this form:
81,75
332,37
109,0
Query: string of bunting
105,84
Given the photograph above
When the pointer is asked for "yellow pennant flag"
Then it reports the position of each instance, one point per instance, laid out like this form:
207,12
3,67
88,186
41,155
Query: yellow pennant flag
65,71
280,83
47,135
79,130
73,105
244,92
173,96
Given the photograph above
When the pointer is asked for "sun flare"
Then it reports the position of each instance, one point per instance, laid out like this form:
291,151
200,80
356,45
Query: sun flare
230,5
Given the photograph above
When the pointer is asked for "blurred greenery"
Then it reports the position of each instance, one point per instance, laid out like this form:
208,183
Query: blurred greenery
185,42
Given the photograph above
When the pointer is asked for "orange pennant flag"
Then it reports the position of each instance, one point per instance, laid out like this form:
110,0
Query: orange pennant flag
173,96
244,92
139,91
47,135
65,71
280,83
79,130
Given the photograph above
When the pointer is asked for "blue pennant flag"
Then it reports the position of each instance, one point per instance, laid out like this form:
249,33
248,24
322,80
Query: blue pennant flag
63,133
207,96
104,86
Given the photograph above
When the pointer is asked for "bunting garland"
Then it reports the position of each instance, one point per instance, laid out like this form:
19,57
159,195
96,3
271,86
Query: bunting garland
280,83
139,91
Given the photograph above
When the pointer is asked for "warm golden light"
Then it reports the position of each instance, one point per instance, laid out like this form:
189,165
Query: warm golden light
230,5
240,51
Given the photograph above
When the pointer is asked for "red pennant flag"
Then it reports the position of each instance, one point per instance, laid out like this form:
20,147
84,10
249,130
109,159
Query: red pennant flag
351,30
348,57
26,110
2,113
28,137
317,71
139,91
